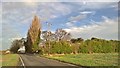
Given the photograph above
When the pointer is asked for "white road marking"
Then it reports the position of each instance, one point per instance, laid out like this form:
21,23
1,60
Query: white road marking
22,62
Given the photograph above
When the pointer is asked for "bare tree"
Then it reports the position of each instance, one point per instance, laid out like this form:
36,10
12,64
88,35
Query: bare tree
48,36
62,35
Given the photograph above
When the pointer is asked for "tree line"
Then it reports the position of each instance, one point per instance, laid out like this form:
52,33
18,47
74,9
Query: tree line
65,45
82,46
60,42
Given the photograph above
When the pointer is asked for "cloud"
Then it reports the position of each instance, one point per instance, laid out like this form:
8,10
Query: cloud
17,16
16,38
94,5
88,12
30,1
45,10
70,24
60,0
107,29
115,6
50,10
9,31
77,18
82,15
91,0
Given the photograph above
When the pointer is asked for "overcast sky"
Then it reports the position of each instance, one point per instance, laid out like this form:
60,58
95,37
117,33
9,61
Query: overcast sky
81,19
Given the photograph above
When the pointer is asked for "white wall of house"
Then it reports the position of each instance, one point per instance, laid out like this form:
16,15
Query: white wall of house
22,49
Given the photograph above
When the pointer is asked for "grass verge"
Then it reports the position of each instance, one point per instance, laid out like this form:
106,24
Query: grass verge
96,59
10,60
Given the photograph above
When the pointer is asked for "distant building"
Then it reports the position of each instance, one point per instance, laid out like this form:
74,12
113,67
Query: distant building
7,52
22,49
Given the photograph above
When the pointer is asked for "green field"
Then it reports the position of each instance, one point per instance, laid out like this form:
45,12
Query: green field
96,59
9,60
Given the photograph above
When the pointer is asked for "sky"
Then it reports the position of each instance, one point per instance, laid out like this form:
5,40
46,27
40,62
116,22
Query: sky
82,19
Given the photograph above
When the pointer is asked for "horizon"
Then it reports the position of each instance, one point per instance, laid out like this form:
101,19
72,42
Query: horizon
82,20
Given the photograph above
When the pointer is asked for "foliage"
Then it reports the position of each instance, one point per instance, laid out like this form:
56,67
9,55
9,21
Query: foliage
75,48
16,44
56,42
77,40
93,45
35,45
98,46
57,48
33,36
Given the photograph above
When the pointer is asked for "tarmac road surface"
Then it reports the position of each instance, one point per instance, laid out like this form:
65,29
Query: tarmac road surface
32,61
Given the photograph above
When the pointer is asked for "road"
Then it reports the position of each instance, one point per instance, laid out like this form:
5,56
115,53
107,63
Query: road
32,61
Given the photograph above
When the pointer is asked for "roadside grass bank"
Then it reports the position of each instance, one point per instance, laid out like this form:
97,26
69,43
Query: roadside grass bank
95,59
9,60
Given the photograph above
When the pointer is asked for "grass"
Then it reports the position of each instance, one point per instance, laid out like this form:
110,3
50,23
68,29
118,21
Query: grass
96,59
9,60
0,60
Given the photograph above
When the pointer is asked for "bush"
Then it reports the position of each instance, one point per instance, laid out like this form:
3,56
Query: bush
58,47
88,46
83,48
98,46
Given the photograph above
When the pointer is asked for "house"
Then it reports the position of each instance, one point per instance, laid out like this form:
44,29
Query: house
22,49
7,52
